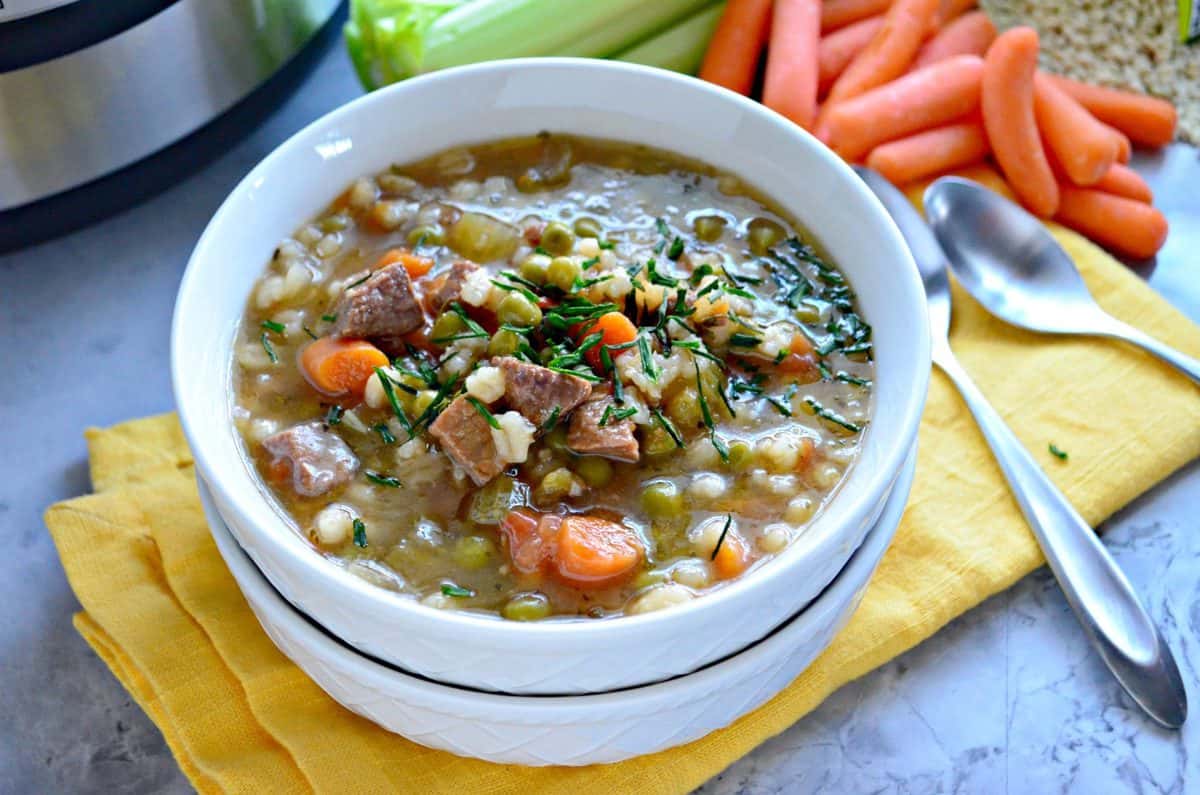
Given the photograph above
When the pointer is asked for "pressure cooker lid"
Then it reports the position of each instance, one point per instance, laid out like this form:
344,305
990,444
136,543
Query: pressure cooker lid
63,29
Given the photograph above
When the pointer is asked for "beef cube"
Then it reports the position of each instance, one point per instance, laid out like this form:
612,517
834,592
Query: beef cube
537,391
466,437
382,309
614,439
446,288
318,458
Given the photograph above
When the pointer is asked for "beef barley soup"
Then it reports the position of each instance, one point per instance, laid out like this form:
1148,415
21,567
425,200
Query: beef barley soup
551,376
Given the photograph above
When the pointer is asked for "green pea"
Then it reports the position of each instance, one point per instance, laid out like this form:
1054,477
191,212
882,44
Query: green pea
562,273
762,234
709,228
518,310
447,325
556,484
526,607
596,472
334,223
534,268
662,500
504,343
557,239
425,236
588,227
740,454
473,552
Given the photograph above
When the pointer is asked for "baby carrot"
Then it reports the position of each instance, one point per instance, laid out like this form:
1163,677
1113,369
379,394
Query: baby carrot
732,55
838,49
1122,180
949,10
837,14
930,152
615,329
969,34
340,366
1082,145
922,99
1008,115
890,52
790,84
596,553
1146,120
1126,226
1124,147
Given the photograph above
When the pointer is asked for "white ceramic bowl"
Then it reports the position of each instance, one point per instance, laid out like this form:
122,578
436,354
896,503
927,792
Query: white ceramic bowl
565,730
509,98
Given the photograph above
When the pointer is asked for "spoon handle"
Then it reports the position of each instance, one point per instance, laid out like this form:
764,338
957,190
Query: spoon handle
1180,361
1103,600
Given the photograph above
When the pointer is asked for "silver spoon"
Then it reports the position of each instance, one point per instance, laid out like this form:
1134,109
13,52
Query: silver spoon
1105,603
1010,263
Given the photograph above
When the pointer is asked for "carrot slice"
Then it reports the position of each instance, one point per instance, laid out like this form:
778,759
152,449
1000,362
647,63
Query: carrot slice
1124,225
970,34
889,54
1124,147
732,55
837,14
1082,145
340,366
1122,180
1146,120
416,266
799,358
950,10
1008,114
530,538
596,553
922,99
837,50
615,329
733,556
930,152
790,84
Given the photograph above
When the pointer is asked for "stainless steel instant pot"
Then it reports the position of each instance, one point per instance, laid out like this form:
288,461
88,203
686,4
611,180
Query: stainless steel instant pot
90,87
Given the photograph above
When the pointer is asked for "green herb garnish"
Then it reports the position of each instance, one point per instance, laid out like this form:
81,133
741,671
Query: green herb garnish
360,533
309,332
456,591
676,249
604,244
643,346
385,433
721,538
266,343
832,416
552,420
483,412
740,340
845,377
1058,452
360,281
386,382
334,415
271,325
329,318
383,480
667,426
614,414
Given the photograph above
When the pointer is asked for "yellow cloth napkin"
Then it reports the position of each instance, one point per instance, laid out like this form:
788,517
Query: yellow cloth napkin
162,610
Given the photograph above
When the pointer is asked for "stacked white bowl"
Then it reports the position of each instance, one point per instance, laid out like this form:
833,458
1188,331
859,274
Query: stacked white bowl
474,679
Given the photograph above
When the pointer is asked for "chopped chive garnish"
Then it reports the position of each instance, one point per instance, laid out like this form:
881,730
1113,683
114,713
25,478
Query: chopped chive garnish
471,325
540,250
832,416
676,249
385,433
1058,452
334,415
667,426
360,281
744,340
719,445
271,325
605,244
826,373
845,377
721,538
614,414
266,343
383,480
386,382
659,278
589,262
455,338
581,283
512,277
483,412
552,420
705,414
643,346
360,533
662,227
456,591
329,318
309,332
516,288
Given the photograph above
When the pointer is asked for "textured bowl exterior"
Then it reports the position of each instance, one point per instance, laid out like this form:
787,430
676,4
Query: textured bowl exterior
507,98
566,730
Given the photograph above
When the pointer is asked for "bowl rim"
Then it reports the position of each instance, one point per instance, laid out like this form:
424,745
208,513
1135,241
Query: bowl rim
539,634
867,557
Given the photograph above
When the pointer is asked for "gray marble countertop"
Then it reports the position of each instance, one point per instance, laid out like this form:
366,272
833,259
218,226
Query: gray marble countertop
1008,698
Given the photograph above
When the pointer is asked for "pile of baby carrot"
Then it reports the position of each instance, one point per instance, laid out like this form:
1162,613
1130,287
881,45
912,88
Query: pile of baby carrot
914,88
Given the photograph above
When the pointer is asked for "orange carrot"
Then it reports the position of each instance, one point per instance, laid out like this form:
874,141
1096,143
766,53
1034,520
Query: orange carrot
615,329
969,34
1127,226
917,101
838,49
890,52
596,553
1124,147
340,366
732,55
1146,120
1083,146
1008,115
530,537
799,358
790,83
950,10
732,557
416,266
837,14
1124,181
930,152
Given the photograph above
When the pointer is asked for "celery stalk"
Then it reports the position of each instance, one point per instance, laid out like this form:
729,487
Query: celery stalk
390,40
681,48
